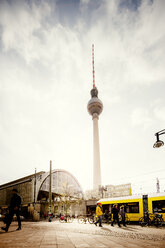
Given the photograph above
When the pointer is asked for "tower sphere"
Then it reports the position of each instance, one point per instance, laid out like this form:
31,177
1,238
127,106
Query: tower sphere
95,104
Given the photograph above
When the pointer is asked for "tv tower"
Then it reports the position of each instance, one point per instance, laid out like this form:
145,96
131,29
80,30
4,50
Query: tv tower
95,108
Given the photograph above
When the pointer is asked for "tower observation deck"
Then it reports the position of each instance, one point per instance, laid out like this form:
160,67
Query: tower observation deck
95,108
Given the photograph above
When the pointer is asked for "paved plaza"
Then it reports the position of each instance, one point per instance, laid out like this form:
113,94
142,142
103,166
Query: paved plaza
68,235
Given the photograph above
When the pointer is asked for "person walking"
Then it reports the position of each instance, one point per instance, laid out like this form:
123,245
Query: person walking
115,212
99,213
106,216
14,208
122,213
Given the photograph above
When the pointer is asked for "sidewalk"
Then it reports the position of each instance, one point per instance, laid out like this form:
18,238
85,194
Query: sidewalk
69,235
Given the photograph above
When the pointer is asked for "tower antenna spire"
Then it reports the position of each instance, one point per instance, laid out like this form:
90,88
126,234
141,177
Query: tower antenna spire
93,65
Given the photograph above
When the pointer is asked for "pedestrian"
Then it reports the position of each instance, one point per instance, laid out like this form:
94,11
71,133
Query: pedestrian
122,213
14,208
106,216
115,212
99,213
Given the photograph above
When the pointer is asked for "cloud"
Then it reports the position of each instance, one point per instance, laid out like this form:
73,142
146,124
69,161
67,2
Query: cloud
129,46
120,33
22,27
159,111
141,117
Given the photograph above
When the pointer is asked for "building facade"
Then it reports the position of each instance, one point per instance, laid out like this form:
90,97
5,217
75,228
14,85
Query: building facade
66,193
109,191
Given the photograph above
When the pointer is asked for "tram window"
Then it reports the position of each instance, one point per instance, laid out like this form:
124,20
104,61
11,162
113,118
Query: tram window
132,207
158,206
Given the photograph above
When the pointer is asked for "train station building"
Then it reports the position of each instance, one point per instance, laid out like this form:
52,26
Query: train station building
66,193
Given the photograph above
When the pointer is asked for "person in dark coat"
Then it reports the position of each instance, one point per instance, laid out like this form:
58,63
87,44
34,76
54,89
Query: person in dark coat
14,208
115,212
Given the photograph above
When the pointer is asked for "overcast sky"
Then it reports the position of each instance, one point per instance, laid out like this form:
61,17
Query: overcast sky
45,83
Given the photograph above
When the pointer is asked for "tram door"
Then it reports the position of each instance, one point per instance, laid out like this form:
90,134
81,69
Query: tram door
145,203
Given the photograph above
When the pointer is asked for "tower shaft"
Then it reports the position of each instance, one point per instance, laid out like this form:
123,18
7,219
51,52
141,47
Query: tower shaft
95,108
96,153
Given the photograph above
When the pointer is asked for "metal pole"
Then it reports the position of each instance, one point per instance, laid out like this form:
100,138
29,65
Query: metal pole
50,191
35,187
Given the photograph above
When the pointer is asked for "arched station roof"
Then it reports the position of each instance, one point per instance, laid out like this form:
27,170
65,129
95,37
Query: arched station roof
63,182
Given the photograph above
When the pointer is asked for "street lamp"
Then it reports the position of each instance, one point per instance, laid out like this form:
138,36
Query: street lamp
159,142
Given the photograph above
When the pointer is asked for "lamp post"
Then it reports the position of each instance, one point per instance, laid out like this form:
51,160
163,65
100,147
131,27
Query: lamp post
50,192
159,142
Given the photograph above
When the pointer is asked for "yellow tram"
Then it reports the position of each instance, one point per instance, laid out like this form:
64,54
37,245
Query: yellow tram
136,205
